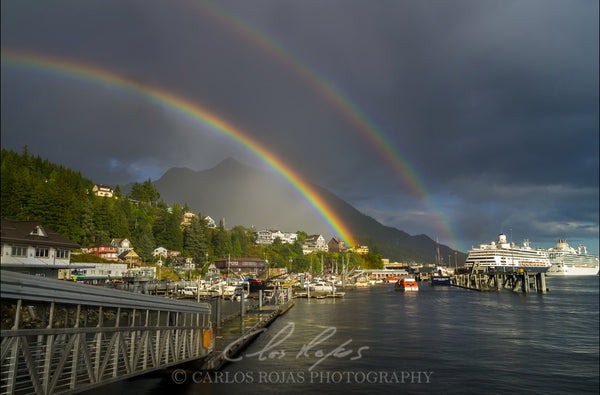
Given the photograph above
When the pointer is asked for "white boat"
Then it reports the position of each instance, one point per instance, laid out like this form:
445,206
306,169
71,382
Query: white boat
321,287
504,256
567,261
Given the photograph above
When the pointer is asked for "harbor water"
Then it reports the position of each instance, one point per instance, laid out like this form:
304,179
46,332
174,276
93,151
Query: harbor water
437,340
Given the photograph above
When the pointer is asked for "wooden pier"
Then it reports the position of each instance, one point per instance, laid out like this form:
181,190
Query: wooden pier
520,281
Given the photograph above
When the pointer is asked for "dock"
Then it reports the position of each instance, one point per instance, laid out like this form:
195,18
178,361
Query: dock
235,334
519,281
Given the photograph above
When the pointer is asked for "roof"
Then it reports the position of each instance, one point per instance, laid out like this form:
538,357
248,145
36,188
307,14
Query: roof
23,232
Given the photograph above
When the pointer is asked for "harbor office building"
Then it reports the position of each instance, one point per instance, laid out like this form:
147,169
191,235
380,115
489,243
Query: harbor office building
253,266
31,248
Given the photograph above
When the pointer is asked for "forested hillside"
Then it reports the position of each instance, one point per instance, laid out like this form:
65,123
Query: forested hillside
35,189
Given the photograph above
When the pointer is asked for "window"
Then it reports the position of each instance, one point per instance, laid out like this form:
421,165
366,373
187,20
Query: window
19,251
41,252
62,254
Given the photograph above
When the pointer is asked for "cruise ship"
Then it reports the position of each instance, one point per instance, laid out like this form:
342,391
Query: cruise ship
567,261
504,256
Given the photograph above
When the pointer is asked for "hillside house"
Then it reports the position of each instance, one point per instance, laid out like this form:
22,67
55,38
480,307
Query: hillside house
314,243
188,216
105,251
102,190
267,237
130,257
122,245
337,245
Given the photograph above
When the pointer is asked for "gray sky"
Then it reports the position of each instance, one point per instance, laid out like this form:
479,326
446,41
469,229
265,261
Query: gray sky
491,106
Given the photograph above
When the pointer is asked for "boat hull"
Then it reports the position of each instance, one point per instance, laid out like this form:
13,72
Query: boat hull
560,270
440,280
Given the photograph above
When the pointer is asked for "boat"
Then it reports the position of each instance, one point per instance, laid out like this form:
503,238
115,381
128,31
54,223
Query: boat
392,279
321,287
504,256
441,276
567,261
407,284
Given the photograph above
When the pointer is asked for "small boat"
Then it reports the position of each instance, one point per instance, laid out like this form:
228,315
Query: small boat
392,279
407,284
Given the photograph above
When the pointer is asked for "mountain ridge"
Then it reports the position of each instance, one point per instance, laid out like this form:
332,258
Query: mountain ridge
242,195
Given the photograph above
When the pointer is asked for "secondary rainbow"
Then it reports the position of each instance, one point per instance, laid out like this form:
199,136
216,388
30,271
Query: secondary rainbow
341,102
72,69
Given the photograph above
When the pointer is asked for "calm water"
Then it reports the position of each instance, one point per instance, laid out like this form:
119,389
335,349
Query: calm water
441,339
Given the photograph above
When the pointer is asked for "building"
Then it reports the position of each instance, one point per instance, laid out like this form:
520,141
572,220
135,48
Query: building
267,237
337,245
30,247
210,223
160,252
361,250
97,273
314,243
102,190
254,266
122,245
105,251
130,257
188,216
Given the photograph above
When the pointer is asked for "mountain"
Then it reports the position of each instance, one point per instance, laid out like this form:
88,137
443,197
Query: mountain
242,195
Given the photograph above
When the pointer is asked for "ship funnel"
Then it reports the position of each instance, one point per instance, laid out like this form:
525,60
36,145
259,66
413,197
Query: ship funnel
501,238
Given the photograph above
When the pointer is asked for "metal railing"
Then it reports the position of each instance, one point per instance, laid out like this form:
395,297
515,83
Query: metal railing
62,337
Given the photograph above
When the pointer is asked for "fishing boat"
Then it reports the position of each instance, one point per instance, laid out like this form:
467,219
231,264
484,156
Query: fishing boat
407,284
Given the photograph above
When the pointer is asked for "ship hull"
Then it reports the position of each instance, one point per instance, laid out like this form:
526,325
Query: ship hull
560,270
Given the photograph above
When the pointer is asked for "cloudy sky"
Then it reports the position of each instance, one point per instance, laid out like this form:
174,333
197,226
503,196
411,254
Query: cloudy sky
459,119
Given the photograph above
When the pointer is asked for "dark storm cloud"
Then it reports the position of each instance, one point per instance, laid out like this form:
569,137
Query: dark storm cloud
493,104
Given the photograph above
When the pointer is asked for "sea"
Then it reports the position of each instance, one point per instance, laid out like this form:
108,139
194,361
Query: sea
441,339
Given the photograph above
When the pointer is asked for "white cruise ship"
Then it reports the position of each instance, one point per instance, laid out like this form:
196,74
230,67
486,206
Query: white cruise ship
567,261
504,256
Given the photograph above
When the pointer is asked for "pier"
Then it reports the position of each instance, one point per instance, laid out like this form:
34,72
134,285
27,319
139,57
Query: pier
519,281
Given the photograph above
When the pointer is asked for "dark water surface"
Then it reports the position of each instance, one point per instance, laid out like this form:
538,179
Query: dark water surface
437,340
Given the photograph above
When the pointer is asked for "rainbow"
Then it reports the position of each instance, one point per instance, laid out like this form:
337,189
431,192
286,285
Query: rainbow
70,69
375,136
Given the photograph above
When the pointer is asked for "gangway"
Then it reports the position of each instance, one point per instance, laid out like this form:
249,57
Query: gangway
64,337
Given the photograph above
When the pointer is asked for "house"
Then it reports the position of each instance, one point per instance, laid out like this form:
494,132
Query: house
267,237
337,245
130,257
183,263
361,250
105,251
160,252
210,223
30,247
314,243
121,245
188,216
102,190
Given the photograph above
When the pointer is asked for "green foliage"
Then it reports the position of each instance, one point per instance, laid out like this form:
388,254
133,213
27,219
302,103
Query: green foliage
35,189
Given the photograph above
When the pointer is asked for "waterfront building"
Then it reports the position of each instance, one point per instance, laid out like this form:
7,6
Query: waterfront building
254,266
32,248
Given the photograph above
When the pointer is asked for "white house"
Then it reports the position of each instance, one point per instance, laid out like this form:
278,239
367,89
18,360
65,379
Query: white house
122,245
267,237
314,243
160,252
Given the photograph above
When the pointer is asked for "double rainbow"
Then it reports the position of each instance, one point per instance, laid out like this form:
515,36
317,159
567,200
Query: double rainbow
93,74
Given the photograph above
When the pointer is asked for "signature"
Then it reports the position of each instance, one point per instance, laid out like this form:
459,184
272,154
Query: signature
313,349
